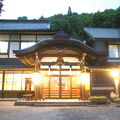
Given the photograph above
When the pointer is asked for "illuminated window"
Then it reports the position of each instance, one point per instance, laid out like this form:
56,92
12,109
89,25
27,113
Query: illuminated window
8,82
65,67
49,59
55,72
75,82
1,76
70,59
26,44
65,72
3,47
55,67
17,82
45,82
13,82
114,51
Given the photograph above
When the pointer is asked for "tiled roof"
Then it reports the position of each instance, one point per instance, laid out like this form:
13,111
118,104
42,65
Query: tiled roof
11,63
24,25
103,32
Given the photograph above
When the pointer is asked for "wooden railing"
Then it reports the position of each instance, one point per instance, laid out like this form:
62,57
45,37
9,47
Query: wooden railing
65,93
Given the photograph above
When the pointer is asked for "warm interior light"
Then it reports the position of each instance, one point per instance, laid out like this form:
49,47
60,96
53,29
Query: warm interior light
36,78
114,73
78,80
85,78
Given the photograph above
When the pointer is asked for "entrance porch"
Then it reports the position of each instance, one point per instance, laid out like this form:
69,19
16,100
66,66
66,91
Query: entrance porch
60,82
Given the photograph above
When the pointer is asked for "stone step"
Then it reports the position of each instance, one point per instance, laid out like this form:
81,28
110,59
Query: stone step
27,103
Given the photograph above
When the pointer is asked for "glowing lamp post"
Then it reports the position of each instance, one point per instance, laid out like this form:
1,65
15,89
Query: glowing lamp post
36,78
115,74
85,79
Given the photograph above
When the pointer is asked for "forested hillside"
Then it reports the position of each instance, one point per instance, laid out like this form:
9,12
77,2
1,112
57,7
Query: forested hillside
73,23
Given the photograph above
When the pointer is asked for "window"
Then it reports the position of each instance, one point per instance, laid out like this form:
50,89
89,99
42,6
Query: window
13,46
114,51
16,81
26,44
3,47
13,82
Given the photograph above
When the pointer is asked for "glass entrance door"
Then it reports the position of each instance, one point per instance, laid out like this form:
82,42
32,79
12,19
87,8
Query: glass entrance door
54,87
65,87
60,87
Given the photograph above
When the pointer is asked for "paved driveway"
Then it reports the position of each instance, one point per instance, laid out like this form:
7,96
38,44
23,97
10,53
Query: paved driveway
10,112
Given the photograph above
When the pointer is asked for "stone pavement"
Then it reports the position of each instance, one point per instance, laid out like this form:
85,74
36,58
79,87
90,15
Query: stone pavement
10,112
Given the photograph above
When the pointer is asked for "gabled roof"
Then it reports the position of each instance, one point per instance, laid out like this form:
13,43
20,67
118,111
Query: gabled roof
103,33
24,25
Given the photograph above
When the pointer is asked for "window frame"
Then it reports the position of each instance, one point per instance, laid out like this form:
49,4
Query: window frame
118,52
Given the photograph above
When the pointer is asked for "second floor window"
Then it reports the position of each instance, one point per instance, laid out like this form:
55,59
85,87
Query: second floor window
114,51
3,47
26,44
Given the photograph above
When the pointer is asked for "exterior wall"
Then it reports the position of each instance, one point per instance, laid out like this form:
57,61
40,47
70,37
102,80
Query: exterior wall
13,94
16,42
102,83
100,46
12,83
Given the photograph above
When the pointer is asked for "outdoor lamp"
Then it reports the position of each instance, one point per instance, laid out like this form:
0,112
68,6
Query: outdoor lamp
115,75
85,78
36,78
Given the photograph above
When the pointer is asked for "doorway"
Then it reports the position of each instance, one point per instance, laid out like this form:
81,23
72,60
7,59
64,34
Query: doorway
60,84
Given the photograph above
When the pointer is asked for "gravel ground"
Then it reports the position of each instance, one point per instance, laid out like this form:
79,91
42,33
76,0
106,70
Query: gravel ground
10,112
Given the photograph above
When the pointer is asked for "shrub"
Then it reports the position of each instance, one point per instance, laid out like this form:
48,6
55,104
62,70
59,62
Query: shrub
116,100
99,99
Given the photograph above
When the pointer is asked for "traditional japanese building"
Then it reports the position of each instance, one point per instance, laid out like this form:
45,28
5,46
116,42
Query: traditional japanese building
32,53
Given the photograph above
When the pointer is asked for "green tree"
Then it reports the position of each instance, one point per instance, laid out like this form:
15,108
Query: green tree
23,18
69,11
117,18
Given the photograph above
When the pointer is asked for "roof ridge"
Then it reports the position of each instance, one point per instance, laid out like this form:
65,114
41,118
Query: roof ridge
99,28
15,20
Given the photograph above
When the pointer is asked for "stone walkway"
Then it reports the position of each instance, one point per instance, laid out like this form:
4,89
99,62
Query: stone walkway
10,112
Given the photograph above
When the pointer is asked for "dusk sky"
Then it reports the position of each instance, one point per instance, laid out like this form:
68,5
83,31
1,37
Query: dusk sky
36,8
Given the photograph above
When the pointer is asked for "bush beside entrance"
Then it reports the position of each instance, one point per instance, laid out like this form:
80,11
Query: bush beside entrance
99,99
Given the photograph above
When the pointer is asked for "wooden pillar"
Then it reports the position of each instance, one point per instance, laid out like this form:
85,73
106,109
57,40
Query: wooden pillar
60,84
81,95
49,75
119,86
3,83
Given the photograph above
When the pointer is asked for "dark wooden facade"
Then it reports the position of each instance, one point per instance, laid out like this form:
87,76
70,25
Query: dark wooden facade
91,58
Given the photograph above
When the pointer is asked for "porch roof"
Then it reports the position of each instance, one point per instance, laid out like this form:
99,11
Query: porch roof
61,40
